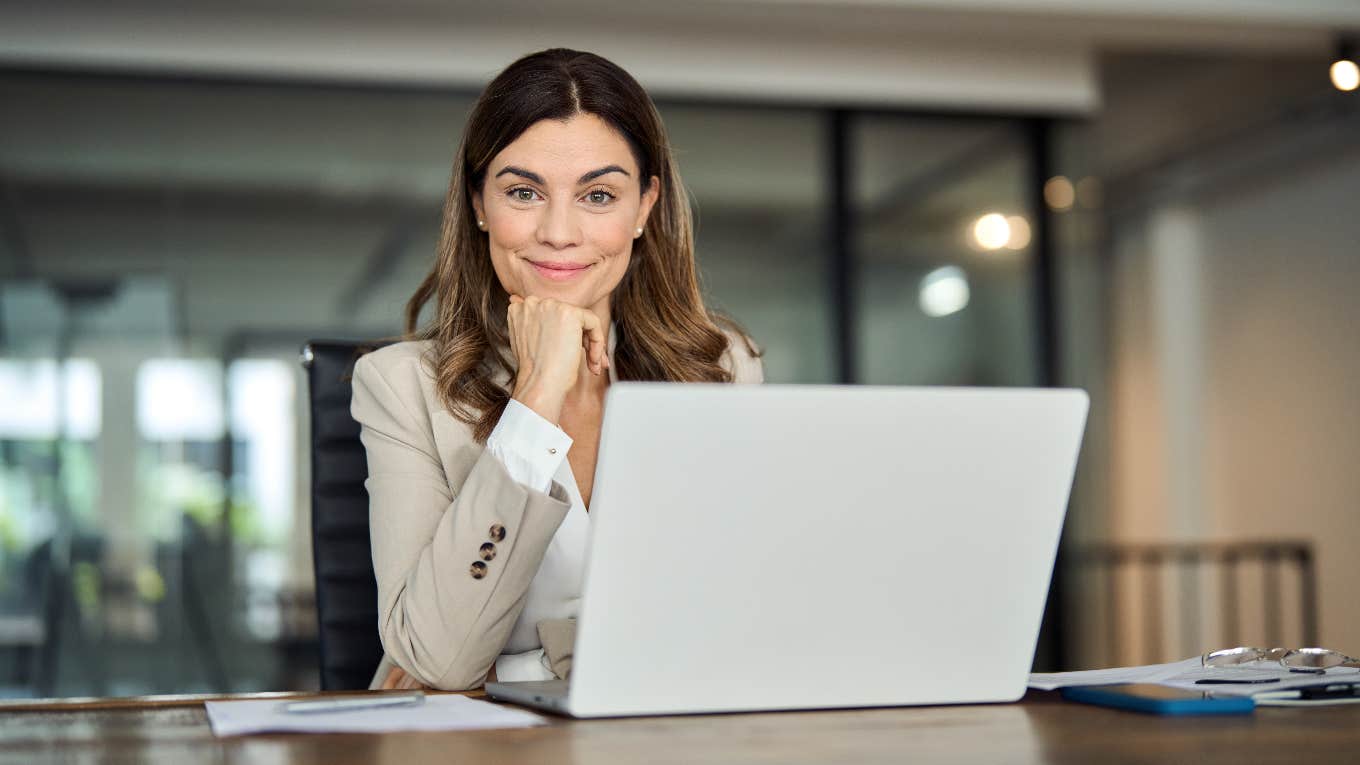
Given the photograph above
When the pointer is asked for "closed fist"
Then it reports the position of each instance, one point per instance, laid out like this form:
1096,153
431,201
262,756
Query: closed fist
551,339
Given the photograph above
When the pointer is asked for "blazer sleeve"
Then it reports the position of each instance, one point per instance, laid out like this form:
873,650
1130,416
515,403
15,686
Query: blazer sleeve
743,359
437,621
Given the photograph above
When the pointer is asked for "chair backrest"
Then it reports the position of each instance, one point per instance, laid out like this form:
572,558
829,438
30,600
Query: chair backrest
1187,598
346,592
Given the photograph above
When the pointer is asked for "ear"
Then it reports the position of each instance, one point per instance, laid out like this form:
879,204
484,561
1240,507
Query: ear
477,208
649,198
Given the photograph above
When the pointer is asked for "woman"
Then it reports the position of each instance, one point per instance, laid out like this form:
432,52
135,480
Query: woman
565,263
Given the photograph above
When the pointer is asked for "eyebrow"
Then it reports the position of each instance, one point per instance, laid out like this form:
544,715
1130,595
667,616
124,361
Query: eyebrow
536,178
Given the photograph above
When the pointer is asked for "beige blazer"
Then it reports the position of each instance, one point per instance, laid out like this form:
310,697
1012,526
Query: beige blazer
436,497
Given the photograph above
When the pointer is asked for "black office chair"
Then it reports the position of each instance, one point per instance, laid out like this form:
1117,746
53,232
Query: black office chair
346,592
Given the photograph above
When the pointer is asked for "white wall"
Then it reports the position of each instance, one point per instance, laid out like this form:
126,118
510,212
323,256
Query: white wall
1235,405
1282,410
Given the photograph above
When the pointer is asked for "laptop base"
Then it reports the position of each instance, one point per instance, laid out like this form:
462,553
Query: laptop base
549,695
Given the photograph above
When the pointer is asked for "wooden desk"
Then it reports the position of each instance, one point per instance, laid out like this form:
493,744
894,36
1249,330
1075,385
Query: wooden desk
1041,729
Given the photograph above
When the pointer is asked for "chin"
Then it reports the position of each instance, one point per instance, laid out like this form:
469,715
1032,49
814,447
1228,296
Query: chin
565,293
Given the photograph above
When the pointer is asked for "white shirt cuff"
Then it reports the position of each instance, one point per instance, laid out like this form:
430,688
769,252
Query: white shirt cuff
530,447
516,667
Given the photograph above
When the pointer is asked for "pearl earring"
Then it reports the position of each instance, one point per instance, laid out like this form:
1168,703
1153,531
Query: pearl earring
639,232
481,224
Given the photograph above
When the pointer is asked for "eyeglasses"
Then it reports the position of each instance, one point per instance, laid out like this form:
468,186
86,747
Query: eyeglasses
1306,660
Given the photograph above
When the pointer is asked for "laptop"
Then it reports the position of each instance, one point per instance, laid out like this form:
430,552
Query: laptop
812,547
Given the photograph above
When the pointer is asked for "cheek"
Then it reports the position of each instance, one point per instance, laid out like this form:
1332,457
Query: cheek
611,239
508,236
507,277
510,233
615,268
615,244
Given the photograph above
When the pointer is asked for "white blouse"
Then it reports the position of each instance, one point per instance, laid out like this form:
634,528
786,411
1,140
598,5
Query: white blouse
534,452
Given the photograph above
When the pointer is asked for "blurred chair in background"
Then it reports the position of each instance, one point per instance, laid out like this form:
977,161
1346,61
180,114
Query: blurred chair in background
1220,595
346,591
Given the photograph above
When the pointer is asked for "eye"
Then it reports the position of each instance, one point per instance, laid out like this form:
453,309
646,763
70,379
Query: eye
599,197
521,194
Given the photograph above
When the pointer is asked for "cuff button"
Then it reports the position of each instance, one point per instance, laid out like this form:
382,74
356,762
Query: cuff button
488,551
497,532
478,570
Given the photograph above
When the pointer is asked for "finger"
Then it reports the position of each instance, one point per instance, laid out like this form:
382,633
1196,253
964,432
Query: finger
581,321
595,331
510,321
520,333
516,300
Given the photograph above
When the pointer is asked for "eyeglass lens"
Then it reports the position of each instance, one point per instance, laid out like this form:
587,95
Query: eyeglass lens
1302,658
1314,658
1229,657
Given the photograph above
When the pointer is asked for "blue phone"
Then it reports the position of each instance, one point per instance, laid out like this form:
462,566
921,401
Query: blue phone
1159,699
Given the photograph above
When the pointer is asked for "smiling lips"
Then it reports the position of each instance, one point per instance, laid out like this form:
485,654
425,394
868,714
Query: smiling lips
559,272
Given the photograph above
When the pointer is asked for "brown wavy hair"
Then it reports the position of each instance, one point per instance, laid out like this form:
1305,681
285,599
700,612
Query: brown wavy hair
664,331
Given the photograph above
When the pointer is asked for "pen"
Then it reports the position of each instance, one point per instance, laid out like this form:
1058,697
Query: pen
1227,681
345,704
1330,691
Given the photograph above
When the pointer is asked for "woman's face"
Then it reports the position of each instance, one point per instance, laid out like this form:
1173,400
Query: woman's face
562,205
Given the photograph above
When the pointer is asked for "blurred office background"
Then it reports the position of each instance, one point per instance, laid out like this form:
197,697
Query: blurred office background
1155,201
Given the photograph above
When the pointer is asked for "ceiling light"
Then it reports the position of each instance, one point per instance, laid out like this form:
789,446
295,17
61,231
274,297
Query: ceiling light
944,291
1020,234
991,231
1059,193
1345,73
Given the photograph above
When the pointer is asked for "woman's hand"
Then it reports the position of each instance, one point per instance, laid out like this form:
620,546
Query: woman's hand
550,339
398,679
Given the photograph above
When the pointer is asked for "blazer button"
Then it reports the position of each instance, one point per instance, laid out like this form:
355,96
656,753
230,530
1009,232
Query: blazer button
488,551
497,532
478,569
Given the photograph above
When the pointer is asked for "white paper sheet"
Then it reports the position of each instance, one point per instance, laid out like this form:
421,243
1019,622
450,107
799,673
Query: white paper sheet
439,712
1186,673
1151,673
1283,677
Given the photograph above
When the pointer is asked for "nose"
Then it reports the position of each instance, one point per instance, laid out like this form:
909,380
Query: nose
557,228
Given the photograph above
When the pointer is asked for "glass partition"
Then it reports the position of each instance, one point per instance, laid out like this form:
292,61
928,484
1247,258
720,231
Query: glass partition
166,247
944,288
